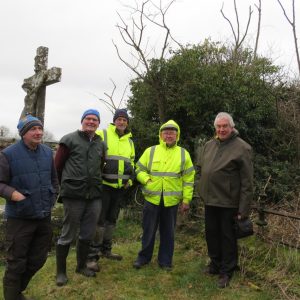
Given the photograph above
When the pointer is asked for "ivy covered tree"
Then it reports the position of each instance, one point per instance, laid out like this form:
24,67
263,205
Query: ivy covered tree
199,81
192,84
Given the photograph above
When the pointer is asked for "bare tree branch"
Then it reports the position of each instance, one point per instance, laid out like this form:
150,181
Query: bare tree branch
236,33
145,16
130,40
133,68
292,22
151,18
105,102
111,104
232,29
135,38
123,95
284,12
247,27
258,28
237,20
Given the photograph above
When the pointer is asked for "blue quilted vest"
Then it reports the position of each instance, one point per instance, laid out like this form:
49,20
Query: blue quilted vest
30,175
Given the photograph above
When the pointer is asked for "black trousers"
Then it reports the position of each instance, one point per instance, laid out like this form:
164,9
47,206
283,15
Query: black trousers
27,245
111,199
220,238
164,218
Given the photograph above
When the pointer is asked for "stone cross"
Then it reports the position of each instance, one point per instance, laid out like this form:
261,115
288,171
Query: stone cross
35,86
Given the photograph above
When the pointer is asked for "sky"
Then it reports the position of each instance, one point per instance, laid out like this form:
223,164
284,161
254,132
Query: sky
79,35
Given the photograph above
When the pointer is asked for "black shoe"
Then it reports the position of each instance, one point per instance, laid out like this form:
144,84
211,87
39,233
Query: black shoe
86,272
223,281
138,264
61,279
237,269
208,270
166,268
22,297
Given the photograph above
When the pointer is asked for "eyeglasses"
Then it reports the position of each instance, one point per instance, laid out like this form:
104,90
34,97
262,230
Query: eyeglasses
170,133
92,119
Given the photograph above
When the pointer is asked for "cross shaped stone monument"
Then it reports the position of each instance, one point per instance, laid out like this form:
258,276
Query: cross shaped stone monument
35,86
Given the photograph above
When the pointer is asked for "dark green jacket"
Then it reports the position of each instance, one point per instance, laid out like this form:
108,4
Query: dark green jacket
225,174
81,175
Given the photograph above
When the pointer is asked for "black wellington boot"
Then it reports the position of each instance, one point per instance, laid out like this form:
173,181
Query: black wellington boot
62,252
11,292
83,247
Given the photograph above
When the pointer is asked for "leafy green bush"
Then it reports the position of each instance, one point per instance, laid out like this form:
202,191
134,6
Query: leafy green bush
197,82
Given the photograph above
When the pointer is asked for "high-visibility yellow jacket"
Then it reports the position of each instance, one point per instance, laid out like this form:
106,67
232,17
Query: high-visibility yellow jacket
119,163
171,172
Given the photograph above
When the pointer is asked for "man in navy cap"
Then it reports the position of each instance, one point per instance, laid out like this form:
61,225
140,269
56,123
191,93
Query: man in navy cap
79,161
28,182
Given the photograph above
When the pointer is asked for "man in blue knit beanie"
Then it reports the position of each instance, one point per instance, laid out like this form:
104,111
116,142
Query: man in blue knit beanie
79,161
28,183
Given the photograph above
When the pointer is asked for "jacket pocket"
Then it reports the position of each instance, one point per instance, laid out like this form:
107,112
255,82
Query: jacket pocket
74,188
155,165
152,187
48,198
25,207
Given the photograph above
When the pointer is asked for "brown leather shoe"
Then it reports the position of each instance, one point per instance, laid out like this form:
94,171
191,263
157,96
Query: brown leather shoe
223,281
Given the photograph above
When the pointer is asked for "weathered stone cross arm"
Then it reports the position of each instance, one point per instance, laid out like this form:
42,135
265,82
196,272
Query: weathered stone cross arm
53,75
35,86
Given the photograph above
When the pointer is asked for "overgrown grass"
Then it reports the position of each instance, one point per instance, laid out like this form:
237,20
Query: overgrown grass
118,280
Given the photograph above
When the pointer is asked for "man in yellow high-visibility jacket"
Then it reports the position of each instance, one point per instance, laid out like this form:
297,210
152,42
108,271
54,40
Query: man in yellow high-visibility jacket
118,172
167,174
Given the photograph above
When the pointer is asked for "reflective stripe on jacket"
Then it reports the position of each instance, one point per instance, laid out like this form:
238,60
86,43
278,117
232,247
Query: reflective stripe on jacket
171,172
119,163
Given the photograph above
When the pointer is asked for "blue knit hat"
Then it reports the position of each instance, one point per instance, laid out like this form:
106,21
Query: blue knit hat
122,112
91,112
28,122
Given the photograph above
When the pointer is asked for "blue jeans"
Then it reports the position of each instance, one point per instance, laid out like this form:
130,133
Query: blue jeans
79,215
155,216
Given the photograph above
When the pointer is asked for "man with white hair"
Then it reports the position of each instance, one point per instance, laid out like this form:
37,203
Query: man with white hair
225,184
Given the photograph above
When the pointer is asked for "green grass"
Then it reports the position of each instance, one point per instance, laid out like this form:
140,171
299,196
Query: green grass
2,201
118,280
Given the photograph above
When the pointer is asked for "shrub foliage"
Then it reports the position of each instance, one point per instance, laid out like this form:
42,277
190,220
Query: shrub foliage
197,82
